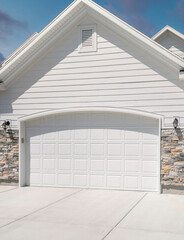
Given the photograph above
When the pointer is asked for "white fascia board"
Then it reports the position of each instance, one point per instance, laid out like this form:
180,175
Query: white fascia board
169,29
43,47
162,31
18,50
41,36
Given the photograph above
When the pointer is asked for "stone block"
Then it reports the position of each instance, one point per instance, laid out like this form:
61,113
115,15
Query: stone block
176,180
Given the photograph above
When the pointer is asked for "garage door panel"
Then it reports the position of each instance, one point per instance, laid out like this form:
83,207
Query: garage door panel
150,150
150,167
65,120
34,149
115,134
50,136
132,134
65,135
114,182
97,165
33,135
132,149
49,179
150,123
80,180
97,181
132,166
132,120
64,179
80,149
149,183
65,149
96,150
150,134
35,164
131,182
114,165
49,164
97,120
81,165
114,120
115,149
81,134
35,179
64,164
97,134
49,149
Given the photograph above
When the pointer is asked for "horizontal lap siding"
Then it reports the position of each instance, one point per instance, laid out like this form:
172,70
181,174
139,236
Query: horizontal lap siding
117,75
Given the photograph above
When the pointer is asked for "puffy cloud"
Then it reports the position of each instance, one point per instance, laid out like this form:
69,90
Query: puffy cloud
8,25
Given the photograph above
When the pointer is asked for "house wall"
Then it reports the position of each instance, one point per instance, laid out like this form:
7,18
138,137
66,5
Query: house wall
119,74
173,43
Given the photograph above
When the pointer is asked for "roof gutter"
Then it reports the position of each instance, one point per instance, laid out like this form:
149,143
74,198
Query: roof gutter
181,75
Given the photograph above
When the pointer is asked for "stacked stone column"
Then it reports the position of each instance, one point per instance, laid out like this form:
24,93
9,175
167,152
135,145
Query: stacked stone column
172,158
9,157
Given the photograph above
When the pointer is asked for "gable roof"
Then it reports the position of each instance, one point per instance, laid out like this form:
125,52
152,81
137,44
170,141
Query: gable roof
19,49
165,30
16,63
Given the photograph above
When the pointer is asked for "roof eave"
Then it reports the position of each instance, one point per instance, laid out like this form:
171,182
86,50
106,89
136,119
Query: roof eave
7,72
165,30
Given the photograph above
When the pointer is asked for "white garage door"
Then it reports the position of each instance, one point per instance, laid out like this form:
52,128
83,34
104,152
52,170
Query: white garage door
93,150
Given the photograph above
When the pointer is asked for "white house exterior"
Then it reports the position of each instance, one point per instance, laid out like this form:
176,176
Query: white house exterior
93,101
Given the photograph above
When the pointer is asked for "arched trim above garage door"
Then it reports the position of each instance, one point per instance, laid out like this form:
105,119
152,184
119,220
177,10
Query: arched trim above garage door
22,158
90,109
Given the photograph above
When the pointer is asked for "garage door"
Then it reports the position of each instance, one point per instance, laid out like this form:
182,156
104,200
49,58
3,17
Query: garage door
93,150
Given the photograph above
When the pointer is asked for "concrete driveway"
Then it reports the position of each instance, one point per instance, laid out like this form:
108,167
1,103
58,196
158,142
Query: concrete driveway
74,214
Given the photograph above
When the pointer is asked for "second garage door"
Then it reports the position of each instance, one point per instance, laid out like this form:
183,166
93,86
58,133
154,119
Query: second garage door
93,150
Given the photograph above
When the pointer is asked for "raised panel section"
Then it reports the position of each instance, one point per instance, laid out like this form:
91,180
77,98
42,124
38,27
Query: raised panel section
94,150
97,181
97,149
64,179
131,182
65,149
132,149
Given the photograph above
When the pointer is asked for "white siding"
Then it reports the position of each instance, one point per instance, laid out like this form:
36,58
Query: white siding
174,44
116,75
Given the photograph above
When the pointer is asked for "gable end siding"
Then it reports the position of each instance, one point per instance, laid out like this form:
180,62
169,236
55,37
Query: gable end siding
116,75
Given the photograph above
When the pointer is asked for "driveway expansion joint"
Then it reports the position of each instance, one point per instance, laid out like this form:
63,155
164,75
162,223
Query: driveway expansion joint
130,210
51,204
9,190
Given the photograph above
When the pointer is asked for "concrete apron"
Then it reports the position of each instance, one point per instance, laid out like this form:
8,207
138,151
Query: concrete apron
72,214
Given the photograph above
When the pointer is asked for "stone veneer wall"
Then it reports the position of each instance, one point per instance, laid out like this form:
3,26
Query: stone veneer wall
172,159
9,157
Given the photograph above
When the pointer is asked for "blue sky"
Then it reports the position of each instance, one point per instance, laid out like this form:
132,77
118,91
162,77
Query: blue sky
19,19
